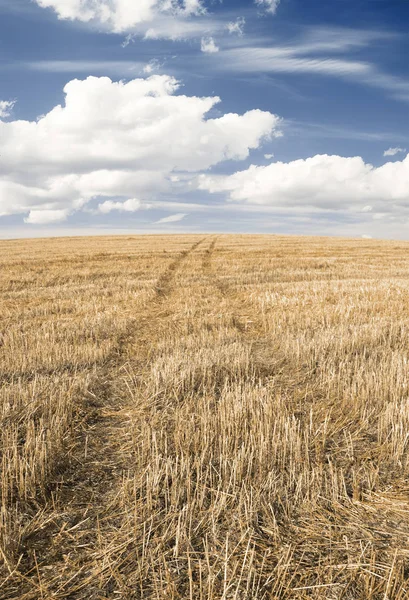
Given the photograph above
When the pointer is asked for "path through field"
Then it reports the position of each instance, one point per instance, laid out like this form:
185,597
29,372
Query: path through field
90,494
241,437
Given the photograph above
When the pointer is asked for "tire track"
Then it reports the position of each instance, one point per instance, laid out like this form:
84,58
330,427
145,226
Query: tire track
222,286
240,307
269,361
84,504
163,286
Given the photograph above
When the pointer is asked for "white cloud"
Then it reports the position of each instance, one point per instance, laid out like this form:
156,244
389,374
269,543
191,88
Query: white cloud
44,217
128,39
322,181
121,15
366,237
394,151
208,45
236,26
6,107
155,18
172,218
269,6
268,156
117,140
130,205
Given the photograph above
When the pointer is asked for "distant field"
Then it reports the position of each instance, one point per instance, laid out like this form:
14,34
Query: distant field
204,417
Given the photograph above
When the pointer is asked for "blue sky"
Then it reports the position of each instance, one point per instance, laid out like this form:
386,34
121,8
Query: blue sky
308,135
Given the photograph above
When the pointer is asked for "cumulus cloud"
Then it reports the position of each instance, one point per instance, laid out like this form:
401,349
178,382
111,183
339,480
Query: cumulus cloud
172,218
117,140
394,151
6,107
270,6
268,156
121,15
322,181
208,45
154,18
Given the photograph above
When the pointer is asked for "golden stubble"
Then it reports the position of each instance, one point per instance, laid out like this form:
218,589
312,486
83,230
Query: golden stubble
204,417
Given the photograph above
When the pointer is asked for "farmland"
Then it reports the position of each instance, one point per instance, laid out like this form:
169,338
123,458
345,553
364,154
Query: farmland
204,417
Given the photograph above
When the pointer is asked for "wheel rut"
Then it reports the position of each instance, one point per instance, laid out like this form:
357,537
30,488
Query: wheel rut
163,286
239,307
269,361
221,285
58,561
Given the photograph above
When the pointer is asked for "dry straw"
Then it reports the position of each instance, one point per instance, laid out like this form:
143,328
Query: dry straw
202,418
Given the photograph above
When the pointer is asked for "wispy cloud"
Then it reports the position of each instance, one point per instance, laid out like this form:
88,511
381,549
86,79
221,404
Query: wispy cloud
285,60
6,107
394,151
323,51
270,6
236,26
172,218
152,66
122,68
294,127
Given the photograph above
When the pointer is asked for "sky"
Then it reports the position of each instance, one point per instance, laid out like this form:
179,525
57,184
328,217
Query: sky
162,116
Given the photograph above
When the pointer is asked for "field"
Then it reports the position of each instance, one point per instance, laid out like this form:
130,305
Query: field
204,417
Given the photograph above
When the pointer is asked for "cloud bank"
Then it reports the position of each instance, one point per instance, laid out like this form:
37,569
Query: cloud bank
321,182
117,141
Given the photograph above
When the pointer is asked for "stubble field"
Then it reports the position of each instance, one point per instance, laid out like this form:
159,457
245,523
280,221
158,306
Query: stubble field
204,418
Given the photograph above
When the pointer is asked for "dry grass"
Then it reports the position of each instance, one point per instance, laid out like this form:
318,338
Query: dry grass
204,418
